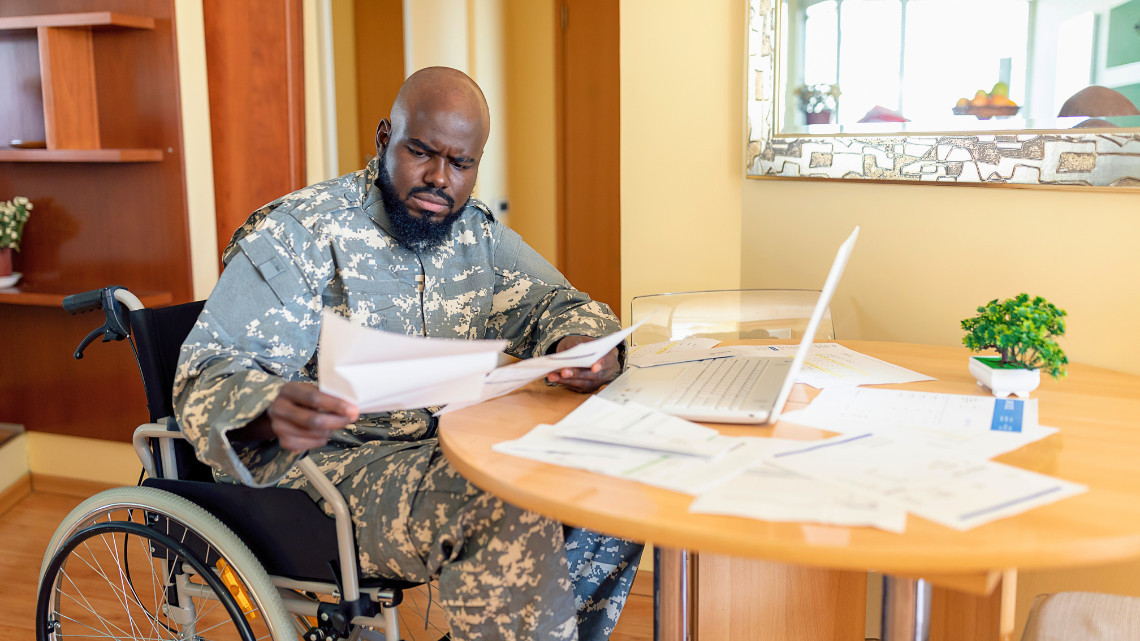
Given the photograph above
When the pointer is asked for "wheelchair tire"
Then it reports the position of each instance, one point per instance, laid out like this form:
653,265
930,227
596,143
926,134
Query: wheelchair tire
109,577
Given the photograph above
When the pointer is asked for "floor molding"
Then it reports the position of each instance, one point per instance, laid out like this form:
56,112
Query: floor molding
12,494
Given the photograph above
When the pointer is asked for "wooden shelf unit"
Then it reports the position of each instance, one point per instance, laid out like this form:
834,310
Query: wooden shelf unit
65,57
109,194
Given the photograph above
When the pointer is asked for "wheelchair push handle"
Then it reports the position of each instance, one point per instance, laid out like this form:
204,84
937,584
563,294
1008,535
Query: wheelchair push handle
85,302
115,301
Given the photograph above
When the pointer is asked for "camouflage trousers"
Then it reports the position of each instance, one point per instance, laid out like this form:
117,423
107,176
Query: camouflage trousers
503,572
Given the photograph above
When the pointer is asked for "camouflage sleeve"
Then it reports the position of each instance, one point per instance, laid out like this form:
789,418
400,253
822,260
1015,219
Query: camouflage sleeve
259,329
534,306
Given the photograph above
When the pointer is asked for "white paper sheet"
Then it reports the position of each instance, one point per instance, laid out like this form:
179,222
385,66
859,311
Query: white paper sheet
957,491
979,426
680,351
833,365
509,378
380,371
771,493
635,425
679,472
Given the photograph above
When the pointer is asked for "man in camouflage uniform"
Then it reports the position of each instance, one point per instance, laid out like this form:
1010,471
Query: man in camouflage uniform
401,246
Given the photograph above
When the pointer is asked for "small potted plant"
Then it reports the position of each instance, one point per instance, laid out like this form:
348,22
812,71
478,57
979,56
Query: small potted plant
13,215
1021,330
818,102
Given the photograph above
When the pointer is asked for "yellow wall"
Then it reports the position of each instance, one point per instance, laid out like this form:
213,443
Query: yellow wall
928,255
682,132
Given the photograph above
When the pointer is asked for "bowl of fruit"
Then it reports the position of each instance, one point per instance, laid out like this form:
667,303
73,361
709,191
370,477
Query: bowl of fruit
985,105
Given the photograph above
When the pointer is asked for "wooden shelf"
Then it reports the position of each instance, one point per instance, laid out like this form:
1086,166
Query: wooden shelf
52,295
80,155
93,19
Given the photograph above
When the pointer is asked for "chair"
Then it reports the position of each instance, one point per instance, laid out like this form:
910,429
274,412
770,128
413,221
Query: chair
727,314
183,557
1083,616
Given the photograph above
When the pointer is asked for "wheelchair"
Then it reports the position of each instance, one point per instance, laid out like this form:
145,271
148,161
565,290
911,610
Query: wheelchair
182,557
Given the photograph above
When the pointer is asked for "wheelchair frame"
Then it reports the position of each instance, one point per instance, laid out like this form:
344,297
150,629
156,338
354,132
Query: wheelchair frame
351,614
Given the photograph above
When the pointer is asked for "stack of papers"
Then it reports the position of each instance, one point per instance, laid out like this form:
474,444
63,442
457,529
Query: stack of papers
636,443
380,371
827,365
957,491
898,452
978,426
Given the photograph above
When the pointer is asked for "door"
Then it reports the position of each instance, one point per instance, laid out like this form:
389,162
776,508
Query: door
589,150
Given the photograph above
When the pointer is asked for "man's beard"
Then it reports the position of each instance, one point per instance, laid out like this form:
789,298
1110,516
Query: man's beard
417,234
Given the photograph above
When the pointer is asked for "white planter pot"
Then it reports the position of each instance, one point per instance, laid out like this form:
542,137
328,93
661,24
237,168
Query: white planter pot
1004,381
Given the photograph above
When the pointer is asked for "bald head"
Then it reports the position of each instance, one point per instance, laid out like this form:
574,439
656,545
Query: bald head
443,90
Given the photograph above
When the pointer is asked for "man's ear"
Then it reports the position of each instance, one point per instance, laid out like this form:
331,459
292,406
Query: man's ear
383,134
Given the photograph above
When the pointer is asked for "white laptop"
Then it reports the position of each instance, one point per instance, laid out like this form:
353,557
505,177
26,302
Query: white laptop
728,390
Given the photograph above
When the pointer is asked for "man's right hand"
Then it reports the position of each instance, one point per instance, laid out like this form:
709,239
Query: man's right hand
301,417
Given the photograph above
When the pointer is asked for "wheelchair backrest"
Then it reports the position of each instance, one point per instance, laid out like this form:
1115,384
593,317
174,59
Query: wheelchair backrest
158,334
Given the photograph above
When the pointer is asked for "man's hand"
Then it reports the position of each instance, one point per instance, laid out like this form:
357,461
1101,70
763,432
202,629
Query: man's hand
301,417
585,379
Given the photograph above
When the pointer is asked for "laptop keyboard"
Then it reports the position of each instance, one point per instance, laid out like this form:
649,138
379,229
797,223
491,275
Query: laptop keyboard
723,384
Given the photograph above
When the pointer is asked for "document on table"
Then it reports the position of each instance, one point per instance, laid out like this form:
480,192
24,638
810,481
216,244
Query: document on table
772,493
635,425
690,473
833,365
679,351
380,371
960,492
981,426
679,472
509,378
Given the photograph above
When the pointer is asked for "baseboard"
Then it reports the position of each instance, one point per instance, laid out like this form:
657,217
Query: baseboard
12,494
68,486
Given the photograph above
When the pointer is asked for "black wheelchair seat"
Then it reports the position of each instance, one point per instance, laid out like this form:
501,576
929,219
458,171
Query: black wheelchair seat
284,528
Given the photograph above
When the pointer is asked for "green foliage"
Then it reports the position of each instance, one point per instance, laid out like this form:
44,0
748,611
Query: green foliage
1021,330
817,98
13,215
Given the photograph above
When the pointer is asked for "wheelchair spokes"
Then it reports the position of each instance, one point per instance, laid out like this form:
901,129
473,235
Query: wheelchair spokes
136,572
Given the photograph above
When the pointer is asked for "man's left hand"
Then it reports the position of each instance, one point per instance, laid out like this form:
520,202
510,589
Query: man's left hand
585,379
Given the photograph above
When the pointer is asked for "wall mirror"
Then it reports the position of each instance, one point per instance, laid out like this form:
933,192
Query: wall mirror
1039,92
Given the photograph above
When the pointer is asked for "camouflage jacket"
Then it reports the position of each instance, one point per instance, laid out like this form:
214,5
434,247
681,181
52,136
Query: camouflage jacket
329,246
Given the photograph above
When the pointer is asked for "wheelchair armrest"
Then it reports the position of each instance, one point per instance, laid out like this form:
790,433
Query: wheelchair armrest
141,442
346,540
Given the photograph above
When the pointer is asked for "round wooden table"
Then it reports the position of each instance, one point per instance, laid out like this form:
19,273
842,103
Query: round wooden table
1097,411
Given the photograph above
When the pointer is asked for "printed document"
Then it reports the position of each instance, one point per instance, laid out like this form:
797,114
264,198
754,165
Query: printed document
679,351
635,425
509,378
980,426
960,492
772,493
380,371
678,472
833,365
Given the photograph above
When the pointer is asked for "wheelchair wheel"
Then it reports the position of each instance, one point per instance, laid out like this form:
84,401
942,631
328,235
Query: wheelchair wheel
141,563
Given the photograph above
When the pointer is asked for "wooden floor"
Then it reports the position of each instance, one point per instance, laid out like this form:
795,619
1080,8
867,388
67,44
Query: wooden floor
27,526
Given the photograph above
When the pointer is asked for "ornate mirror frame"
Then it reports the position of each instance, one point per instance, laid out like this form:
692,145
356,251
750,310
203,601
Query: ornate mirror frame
1099,158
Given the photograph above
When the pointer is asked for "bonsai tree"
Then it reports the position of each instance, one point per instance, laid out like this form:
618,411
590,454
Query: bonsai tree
1021,330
